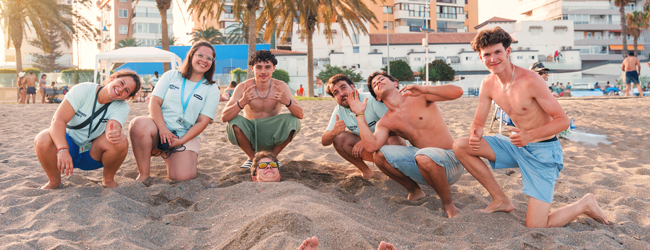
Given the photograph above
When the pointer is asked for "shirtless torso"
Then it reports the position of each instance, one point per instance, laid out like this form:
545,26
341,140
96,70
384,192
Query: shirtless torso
631,63
30,81
262,103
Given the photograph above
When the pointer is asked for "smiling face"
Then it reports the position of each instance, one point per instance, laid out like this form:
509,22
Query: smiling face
268,174
495,57
120,88
263,70
380,84
202,60
340,91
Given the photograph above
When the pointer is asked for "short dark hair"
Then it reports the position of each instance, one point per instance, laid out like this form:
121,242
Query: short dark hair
155,72
372,76
262,56
630,53
335,79
186,68
261,155
127,73
490,37
43,75
233,84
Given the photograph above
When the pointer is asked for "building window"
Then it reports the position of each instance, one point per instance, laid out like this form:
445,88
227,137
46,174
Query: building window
355,49
535,31
520,57
123,13
388,9
124,29
417,59
390,25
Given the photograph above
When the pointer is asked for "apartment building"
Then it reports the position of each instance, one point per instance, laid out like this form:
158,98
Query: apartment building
405,16
224,23
597,28
145,25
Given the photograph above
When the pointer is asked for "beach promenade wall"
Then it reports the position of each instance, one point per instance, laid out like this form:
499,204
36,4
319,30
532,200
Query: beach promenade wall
10,95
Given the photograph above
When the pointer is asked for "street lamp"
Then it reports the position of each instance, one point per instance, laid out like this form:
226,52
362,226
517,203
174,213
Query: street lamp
425,43
387,41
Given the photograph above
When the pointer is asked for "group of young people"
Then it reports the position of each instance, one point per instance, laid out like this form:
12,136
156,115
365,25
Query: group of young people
401,130
27,87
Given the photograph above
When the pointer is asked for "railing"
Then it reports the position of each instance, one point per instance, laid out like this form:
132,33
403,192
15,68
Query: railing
627,8
447,15
414,28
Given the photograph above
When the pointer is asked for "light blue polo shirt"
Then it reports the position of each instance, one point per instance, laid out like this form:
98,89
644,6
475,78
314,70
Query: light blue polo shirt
81,97
204,100
374,111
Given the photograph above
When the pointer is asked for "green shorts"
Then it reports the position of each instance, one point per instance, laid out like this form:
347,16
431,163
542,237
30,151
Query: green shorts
264,133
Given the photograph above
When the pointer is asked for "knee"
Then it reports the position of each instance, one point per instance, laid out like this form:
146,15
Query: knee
43,140
423,160
461,145
139,126
339,141
182,176
379,159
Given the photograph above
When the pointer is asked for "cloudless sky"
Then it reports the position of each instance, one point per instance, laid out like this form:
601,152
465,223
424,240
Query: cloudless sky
500,8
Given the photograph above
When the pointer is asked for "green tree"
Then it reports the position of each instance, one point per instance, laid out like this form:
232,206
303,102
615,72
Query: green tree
238,74
172,41
214,8
47,62
351,15
621,10
637,21
400,70
208,34
127,42
19,16
281,75
330,71
439,70
238,34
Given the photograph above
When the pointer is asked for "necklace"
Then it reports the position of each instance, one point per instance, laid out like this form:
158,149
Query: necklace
258,94
512,79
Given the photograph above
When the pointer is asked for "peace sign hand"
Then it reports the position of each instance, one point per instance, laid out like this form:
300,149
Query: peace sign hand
248,96
279,95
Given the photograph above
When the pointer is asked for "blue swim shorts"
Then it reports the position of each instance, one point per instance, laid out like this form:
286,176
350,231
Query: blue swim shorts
540,164
632,77
81,161
403,159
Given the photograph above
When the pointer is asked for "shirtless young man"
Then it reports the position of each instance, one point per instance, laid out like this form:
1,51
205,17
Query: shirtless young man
261,128
30,83
413,115
632,69
348,143
532,147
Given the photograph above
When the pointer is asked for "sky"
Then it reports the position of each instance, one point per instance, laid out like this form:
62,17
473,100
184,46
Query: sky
487,10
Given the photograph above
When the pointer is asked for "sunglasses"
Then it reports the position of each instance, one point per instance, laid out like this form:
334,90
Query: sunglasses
263,165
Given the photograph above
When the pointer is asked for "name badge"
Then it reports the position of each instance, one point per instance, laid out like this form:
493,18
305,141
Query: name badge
85,148
184,123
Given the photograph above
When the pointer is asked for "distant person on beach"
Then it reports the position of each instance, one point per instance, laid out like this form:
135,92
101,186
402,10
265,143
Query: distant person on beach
532,146
30,82
22,90
312,244
182,105
632,68
86,130
265,168
413,115
154,80
300,91
596,86
262,127
318,88
42,85
228,91
348,143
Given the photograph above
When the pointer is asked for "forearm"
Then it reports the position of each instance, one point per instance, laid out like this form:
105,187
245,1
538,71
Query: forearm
231,111
57,133
444,92
552,128
370,142
156,115
328,137
195,130
296,109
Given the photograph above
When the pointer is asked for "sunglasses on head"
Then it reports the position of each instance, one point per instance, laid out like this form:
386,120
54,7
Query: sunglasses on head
263,165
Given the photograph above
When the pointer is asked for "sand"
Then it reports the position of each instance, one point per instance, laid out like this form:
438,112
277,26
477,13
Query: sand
320,194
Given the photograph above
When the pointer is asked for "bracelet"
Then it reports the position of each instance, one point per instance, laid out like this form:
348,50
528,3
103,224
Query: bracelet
61,150
289,104
239,106
357,115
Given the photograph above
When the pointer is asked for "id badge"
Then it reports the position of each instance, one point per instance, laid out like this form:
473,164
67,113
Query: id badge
85,147
184,123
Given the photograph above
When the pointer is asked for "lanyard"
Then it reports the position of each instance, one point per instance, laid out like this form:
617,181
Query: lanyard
92,116
184,103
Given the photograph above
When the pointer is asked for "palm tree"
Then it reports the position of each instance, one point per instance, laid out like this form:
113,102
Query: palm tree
19,16
238,34
351,15
206,7
636,21
621,9
208,34
127,42
172,41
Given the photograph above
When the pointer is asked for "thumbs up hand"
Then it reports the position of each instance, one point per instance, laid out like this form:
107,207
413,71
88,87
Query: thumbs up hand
339,126
113,131
475,135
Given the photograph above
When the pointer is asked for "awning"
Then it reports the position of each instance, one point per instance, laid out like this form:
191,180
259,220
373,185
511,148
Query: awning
629,47
560,28
534,27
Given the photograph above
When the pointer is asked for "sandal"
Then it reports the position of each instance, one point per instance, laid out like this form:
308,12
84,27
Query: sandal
247,164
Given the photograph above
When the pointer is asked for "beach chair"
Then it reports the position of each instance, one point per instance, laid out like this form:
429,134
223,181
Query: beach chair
502,118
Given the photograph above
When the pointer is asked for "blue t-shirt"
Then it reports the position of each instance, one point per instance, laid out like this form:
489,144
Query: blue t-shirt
81,97
374,111
204,100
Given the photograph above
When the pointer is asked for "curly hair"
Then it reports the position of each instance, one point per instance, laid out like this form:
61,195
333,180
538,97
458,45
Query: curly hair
259,156
126,73
372,76
490,37
262,56
335,79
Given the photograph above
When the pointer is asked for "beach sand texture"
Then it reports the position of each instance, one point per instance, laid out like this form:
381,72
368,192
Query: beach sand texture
320,193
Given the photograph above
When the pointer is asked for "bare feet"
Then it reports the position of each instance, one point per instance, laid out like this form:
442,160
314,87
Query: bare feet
416,195
386,246
309,244
451,209
593,210
50,185
109,184
142,178
367,174
498,206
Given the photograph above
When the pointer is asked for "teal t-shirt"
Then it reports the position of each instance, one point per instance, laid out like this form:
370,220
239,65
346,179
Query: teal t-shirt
204,100
154,81
81,97
374,111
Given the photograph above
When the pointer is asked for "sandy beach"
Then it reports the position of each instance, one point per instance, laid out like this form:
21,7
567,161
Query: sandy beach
320,193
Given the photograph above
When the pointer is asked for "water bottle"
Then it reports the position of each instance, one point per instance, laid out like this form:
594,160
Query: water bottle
573,123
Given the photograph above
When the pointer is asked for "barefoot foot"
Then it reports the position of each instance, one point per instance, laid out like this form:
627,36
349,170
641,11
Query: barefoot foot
109,183
386,246
451,210
142,178
416,195
50,185
498,206
309,244
593,210
367,174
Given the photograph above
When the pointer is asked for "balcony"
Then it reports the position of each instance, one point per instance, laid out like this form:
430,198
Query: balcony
591,26
605,40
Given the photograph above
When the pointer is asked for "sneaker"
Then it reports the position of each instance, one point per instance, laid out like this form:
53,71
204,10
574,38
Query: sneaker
247,164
